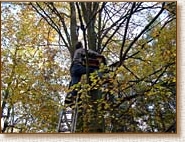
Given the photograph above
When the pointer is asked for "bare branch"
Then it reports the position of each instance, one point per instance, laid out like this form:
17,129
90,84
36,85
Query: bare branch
139,35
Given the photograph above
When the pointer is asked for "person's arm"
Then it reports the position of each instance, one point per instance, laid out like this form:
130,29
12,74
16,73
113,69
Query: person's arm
93,52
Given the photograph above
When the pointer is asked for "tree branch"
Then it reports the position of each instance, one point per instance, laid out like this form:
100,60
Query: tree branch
126,29
137,37
49,20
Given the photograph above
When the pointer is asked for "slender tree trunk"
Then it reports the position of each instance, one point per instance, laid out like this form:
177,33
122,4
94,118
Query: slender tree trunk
73,29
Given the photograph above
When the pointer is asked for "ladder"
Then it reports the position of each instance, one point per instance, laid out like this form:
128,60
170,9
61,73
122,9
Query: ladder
68,119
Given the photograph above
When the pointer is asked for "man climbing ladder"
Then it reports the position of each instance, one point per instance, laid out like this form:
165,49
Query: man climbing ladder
78,67
67,121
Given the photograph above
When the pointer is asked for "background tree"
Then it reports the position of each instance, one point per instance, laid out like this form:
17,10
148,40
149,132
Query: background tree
32,81
138,94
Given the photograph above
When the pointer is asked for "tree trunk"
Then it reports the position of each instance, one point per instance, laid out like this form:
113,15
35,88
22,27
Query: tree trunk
73,29
89,13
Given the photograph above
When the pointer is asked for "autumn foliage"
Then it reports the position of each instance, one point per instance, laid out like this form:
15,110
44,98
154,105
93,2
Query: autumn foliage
137,91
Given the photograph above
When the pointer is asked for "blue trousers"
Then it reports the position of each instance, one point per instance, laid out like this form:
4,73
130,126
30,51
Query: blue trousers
77,71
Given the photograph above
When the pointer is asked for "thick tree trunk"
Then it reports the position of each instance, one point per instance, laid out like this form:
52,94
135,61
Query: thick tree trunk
89,13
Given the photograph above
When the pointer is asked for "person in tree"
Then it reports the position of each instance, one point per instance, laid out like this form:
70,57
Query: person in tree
78,68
